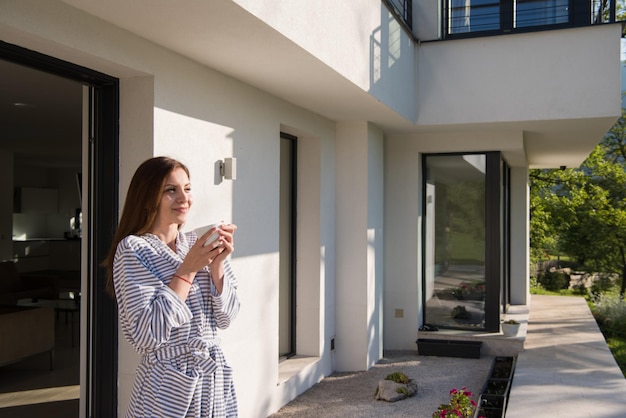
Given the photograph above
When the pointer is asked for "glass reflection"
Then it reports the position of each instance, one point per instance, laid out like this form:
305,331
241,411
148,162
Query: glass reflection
455,241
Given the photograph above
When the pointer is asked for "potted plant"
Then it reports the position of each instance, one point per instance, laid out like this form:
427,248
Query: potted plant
502,368
461,405
510,327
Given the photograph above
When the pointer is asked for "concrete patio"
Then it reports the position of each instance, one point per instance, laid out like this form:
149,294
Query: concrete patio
564,369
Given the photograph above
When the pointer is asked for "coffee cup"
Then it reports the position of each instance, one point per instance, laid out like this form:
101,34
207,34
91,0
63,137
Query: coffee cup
203,230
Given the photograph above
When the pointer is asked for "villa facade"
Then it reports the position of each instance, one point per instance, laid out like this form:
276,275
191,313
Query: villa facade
382,154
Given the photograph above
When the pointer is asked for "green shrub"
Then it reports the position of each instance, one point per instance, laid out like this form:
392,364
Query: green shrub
533,281
580,290
398,377
610,313
554,280
602,284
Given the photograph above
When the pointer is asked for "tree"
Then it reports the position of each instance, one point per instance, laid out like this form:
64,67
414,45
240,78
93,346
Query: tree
583,210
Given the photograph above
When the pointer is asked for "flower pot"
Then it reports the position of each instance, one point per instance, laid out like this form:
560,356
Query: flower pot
497,387
503,367
492,401
510,330
448,348
489,412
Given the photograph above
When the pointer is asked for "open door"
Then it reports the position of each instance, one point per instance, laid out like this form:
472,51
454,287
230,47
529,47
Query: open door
95,218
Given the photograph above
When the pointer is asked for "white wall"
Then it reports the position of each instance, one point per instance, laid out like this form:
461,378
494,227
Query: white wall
499,78
361,40
207,117
403,217
402,243
170,105
359,245
375,239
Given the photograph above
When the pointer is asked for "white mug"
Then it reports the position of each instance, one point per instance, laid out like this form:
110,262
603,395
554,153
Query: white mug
203,229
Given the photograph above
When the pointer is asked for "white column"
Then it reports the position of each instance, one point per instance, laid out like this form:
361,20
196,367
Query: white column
359,285
520,236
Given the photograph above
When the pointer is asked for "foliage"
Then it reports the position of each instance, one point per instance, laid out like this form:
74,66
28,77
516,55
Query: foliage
510,321
466,208
402,390
460,312
618,348
469,290
604,283
582,211
554,280
539,290
398,377
461,405
460,222
609,311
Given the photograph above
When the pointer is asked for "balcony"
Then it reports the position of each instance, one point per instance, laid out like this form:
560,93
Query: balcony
471,18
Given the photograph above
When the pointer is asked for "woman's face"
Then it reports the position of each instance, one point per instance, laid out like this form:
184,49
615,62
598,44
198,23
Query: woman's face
175,199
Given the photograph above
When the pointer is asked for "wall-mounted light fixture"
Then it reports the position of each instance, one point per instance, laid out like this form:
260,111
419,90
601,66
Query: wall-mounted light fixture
228,168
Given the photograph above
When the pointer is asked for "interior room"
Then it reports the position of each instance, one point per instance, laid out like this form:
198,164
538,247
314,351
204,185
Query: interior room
40,242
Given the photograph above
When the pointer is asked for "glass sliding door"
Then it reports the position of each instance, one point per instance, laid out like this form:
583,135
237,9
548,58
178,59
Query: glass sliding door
464,234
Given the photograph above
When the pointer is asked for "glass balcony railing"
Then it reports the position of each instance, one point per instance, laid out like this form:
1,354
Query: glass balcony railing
463,18
403,10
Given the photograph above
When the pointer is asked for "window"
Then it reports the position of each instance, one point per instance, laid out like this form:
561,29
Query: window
474,15
480,17
403,10
465,251
540,12
287,253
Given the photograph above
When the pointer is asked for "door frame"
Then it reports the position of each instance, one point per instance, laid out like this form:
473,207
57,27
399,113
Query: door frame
292,175
101,359
497,235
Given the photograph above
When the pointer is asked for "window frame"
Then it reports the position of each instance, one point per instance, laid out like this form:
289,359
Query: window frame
497,233
580,14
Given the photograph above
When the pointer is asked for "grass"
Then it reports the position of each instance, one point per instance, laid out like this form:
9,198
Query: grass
541,291
618,348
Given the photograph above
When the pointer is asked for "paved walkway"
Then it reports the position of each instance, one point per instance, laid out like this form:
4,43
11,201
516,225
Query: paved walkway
565,371
566,368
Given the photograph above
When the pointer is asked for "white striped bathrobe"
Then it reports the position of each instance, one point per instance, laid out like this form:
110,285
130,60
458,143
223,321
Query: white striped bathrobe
183,372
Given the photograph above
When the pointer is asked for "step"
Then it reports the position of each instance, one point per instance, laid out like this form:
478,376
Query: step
493,344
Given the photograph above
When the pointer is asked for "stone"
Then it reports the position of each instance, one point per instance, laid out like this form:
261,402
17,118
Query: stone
391,391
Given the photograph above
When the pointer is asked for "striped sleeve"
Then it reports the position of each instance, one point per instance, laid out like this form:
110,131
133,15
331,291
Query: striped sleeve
149,310
226,304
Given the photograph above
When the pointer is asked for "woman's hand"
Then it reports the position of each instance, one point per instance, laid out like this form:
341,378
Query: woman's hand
225,247
224,243
211,255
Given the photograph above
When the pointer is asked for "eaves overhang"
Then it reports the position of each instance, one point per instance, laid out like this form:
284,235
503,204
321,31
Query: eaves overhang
223,36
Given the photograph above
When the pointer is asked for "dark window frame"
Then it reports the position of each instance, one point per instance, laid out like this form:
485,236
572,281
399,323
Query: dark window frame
497,233
403,10
580,14
102,340
293,237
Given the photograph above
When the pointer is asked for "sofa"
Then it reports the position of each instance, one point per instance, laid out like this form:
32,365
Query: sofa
25,332
13,287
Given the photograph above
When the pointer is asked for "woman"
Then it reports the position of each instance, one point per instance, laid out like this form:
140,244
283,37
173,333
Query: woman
172,294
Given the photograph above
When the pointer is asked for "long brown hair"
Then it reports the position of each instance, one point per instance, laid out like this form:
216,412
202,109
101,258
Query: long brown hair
141,206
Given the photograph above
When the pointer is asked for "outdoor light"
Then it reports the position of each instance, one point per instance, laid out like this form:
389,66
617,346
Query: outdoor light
228,168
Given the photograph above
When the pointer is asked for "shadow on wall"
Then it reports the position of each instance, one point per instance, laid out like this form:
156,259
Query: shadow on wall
392,58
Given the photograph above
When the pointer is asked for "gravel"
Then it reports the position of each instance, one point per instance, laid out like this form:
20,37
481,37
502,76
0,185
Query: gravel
351,394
